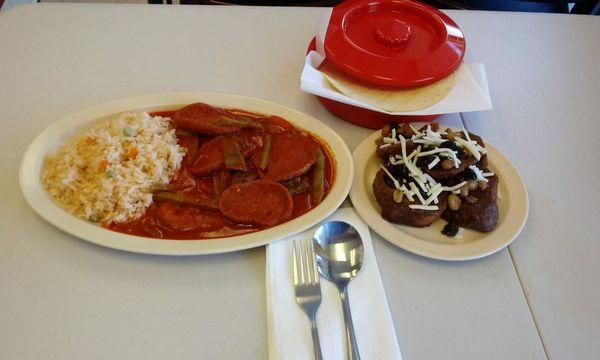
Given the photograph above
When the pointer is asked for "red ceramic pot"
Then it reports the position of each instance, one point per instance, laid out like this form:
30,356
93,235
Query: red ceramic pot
395,43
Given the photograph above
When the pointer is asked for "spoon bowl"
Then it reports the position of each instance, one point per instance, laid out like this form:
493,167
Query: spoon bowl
339,251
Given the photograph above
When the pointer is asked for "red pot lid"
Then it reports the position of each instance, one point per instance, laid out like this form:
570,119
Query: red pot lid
393,42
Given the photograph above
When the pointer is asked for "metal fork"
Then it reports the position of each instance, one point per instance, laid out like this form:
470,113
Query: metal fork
307,286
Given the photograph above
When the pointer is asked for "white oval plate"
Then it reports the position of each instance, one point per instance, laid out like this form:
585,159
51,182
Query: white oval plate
513,204
65,128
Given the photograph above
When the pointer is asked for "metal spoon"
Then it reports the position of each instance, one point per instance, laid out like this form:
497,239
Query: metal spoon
340,255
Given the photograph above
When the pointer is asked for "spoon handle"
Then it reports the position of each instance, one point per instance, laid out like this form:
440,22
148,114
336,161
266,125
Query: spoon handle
350,338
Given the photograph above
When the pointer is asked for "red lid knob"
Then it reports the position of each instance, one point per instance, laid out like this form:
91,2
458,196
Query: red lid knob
392,33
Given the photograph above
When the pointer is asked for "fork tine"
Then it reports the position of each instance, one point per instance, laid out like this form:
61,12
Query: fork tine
295,261
304,262
309,261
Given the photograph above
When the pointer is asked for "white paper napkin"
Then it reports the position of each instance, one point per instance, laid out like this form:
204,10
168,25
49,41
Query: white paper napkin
288,326
470,92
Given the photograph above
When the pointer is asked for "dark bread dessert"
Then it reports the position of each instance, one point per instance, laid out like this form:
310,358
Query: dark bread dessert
429,172
401,213
479,209
405,130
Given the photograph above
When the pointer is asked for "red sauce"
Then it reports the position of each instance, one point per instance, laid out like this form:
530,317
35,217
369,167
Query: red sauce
168,220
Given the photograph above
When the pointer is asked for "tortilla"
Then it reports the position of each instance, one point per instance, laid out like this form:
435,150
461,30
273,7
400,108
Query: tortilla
388,98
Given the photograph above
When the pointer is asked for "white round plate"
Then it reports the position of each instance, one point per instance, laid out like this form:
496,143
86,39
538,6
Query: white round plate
66,127
513,204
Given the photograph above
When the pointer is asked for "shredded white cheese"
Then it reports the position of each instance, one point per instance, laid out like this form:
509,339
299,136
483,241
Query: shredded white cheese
393,161
408,193
451,154
396,183
455,187
423,183
433,163
470,148
480,174
416,192
434,196
435,188
424,207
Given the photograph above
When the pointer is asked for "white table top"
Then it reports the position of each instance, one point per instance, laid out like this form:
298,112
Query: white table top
546,119
64,298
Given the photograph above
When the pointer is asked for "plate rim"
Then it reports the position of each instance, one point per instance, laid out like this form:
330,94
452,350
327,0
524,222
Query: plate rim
43,204
513,223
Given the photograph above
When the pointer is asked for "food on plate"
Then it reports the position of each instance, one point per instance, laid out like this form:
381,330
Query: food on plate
108,173
210,120
190,173
291,155
185,218
388,98
431,173
221,152
479,209
395,205
260,202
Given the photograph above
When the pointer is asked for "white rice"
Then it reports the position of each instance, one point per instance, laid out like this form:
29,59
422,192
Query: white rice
108,174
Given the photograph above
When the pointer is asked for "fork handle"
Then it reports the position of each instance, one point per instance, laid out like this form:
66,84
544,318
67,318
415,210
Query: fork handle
315,337
351,339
